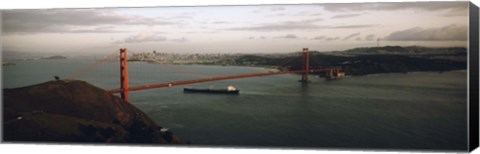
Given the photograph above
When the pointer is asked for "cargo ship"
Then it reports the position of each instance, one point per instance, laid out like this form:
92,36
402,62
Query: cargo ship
228,90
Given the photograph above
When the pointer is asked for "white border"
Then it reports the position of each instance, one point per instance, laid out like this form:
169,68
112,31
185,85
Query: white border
83,149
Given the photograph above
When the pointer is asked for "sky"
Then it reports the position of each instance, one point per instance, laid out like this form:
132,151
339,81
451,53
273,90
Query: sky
236,29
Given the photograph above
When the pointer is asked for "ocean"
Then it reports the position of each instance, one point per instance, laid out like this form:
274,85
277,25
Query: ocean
418,110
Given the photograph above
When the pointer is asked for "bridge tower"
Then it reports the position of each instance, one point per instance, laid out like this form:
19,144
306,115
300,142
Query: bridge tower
123,74
306,67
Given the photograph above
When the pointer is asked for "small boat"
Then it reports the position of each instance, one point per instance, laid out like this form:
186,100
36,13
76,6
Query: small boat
228,90
163,130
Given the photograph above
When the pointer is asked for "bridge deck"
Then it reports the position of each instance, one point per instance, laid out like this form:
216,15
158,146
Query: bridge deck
177,83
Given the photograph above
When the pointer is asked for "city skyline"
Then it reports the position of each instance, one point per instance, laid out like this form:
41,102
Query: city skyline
236,29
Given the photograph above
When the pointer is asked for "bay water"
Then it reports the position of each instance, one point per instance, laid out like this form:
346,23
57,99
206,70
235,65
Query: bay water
418,110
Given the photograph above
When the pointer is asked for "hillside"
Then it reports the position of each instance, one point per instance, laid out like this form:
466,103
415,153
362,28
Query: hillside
372,60
75,111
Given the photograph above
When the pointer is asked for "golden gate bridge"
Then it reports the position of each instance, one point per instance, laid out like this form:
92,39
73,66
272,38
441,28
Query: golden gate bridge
124,78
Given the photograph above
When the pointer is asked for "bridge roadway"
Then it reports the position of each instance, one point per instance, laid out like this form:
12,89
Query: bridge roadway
178,83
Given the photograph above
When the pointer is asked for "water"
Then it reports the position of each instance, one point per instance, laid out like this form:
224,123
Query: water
422,110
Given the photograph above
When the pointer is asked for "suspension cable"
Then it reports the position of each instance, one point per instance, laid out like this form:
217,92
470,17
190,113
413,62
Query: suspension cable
286,61
90,67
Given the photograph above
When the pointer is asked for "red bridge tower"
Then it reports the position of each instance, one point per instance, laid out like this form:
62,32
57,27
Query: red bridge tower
124,74
306,66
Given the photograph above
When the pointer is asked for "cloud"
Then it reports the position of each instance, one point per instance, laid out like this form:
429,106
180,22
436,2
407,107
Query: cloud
269,10
389,6
277,8
262,37
200,32
180,40
183,16
150,36
291,36
146,36
326,38
369,37
302,13
297,25
99,29
450,32
351,26
276,15
69,20
289,25
345,16
311,20
319,38
298,14
358,39
288,36
332,38
220,22
351,35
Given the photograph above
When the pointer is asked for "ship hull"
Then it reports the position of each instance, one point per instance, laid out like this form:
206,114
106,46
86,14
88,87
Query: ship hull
211,91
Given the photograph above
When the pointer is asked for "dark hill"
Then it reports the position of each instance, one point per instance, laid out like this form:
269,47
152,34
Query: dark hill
75,111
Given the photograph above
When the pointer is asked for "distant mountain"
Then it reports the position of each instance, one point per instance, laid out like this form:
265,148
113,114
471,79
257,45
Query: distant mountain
410,50
371,60
18,55
21,56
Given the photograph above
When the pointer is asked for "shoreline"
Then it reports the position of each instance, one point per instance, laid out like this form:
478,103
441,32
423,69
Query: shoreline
272,67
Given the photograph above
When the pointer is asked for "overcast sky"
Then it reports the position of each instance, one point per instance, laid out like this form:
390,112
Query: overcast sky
236,29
